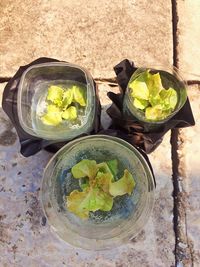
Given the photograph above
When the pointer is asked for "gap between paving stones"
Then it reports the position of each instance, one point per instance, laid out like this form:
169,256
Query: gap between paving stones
183,246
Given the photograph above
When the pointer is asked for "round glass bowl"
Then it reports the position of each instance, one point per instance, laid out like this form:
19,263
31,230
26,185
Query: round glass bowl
170,78
32,93
103,229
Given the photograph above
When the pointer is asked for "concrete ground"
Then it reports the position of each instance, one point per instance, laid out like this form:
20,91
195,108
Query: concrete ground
97,35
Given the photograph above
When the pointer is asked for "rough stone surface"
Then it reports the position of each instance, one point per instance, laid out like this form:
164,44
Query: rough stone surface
95,34
26,239
190,169
188,38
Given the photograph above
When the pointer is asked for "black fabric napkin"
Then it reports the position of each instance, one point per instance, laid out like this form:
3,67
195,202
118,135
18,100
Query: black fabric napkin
133,130
30,145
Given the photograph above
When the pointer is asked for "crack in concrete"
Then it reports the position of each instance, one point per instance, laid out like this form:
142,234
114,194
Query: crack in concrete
184,252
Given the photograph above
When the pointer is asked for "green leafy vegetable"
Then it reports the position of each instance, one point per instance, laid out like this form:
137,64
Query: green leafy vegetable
113,166
79,95
139,86
98,188
123,186
55,94
103,181
85,168
70,113
169,98
53,116
63,100
150,96
67,98
140,103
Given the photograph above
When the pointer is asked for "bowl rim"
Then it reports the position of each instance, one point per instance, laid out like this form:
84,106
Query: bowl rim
113,242
29,130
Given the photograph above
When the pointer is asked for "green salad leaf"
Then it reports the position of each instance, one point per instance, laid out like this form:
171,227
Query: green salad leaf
140,103
169,98
70,113
139,87
123,186
63,101
85,168
53,116
79,95
113,166
103,181
98,187
67,98
55,95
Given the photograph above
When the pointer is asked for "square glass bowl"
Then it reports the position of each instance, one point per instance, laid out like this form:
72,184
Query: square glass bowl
170,77
32,93
103,229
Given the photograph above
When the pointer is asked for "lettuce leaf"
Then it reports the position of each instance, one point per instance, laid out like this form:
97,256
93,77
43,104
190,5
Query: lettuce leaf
85,168
139,87
156,113
99,190
70,113
53,116
92,199
155,86
103,181
140,103
67,98
113,166
55,95
169,98
79,95
123,186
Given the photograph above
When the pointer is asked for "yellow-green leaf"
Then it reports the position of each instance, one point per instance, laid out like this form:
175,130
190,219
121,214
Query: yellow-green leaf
79,95
55,94
70,113
67,98
123,186
53,116
139,87
85,168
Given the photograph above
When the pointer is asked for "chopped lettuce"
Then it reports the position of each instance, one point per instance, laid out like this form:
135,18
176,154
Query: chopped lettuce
79,95
63,100
55,95
85,168
67,98
139,87
53,116
70,113
98,188
140,103
169,98
149,95
123,186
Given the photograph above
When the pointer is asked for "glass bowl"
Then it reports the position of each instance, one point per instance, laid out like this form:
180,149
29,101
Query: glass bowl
32,92
170,78
103,229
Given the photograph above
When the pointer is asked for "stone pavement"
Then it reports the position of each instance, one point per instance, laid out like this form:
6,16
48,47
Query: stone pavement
97,35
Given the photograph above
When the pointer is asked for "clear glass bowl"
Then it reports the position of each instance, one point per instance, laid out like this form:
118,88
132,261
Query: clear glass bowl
32,92
103,229
170,78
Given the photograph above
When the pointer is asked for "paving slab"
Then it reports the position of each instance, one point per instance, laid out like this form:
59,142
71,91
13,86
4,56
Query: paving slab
189,169
26,239
95,34
188,38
